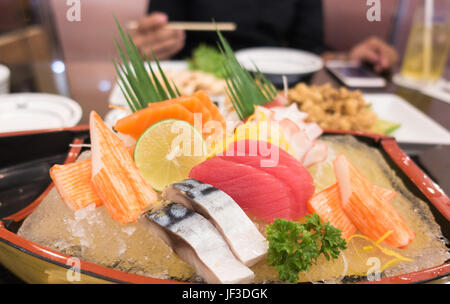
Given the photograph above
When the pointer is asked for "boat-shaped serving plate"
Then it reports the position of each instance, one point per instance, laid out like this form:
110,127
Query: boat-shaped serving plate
26,157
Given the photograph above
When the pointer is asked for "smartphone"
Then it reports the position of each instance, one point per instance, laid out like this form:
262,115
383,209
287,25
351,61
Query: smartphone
354,74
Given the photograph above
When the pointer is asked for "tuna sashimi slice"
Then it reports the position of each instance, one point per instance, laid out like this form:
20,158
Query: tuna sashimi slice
369,210
241,234
288,170
257,192
115,177
327,204
73,182
197,242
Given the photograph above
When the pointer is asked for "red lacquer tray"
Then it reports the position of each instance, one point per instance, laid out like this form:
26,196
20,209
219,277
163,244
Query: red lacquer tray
36,264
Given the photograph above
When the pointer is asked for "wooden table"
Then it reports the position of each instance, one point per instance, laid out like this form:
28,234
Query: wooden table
90,82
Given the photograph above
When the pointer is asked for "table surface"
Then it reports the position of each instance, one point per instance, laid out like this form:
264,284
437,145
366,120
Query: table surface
90,83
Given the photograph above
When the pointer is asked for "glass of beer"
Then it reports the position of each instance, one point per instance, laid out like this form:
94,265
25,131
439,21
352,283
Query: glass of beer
428,44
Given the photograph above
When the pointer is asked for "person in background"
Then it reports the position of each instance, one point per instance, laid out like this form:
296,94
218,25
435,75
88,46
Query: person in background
290,23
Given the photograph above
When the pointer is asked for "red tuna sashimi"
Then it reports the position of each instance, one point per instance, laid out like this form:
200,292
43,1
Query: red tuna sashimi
287,169
257,192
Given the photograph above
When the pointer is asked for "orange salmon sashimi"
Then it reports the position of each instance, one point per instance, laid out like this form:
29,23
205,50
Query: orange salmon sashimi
191,103
207,103
196,107
182,108
115,177
327,204
73,183
371,213
135,124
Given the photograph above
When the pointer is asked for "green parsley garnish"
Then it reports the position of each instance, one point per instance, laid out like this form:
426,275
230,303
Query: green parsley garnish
294,247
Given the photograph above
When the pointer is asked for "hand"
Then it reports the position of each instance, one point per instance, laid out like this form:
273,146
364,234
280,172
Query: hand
153,36
376,52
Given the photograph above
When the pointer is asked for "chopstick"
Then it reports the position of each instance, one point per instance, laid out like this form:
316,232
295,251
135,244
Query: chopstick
193,26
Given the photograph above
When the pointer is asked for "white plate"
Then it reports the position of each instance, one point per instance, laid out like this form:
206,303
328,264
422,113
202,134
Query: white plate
33,111
416,127
285,61
116,97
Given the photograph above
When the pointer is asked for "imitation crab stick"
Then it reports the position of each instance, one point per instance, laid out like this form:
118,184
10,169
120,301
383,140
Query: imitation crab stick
73,183
327,204
383,193
115,177
371,213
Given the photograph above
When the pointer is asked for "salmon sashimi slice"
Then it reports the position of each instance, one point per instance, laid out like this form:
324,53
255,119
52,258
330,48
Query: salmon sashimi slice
191,103
194,105
115,177
327,204
73,183
135,124
207,103
370,212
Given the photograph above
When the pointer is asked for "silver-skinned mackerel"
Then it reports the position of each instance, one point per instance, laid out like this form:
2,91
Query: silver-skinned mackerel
241,234
198,243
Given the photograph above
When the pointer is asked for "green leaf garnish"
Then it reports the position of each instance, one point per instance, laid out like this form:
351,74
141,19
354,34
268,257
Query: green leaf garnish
385,126
138,85
207,59
294,247
242,89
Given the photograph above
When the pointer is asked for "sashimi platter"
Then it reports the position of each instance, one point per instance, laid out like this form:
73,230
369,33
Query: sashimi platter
176,192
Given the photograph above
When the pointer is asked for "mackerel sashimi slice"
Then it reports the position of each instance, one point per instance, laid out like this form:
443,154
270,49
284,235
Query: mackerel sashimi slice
241,234
267,192
197,242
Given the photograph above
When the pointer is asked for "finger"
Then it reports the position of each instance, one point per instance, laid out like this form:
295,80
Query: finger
366,54
388,55
153,38
167,46
152,22
165,49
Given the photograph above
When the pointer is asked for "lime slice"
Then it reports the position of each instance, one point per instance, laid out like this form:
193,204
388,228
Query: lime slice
167,151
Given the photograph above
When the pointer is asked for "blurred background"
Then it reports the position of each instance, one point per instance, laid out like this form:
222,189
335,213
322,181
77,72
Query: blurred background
46,53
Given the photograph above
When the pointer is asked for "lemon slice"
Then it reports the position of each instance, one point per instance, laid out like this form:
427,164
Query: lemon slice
167,151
